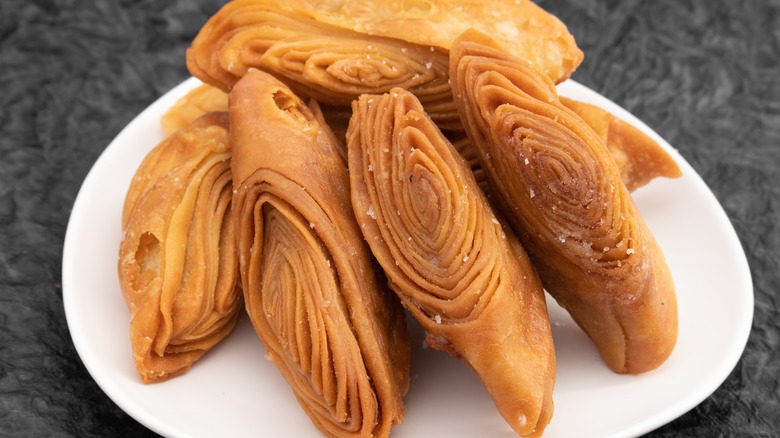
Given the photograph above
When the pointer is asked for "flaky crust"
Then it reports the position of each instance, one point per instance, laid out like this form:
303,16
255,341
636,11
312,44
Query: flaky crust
327,62
333,330
639,158
334,51
201,100
177,264
558,186
467,281
525,29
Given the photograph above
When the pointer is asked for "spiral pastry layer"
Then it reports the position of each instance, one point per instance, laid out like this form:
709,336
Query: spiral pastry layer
638,157
561,190
319,306
527,30
201,100
177,263
447,256
336,50
317,60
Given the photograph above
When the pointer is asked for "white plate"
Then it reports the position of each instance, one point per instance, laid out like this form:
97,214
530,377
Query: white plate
233,391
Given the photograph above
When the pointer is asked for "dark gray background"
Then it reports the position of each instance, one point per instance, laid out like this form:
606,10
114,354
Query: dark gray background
702,73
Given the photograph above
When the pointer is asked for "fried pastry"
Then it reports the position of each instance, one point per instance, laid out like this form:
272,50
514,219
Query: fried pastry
334,51
328,63
319,306
200,100
639,158
462,144
177,263
446,255
527,30
556,182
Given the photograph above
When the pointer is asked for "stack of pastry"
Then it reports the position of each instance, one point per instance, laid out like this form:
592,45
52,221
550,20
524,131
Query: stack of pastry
562,191
177,262
388,156
323,314
334,50
467,281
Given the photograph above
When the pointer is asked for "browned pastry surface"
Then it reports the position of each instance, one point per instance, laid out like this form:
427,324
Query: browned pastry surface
523,27
200,100
446,255
334,51
177,263
559,187
324,315
639,157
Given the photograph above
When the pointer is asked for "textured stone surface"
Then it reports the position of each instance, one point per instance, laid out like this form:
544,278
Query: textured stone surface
705,74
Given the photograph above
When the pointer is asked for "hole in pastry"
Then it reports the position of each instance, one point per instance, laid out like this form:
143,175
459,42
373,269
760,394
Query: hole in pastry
147,256
290,105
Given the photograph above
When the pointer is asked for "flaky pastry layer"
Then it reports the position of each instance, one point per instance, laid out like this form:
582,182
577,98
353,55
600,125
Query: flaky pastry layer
448,258
318,305
177,263
334,51
560,188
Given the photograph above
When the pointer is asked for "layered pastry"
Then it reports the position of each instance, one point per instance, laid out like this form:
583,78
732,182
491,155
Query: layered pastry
639,158
177,262
558,185
200,100
334,51
318,304
447,256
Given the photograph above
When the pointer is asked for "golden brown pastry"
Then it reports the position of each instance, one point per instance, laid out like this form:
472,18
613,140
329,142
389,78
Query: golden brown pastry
206,98
462,144
527,30
336,50
448,258
323,313
200,100
337,138
556,182
177,263
318,60
639,158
